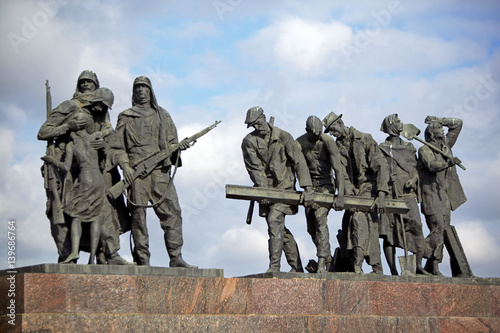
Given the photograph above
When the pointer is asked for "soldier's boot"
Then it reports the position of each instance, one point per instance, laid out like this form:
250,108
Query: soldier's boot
328,263
174,245
432,266
377,269
179,262
100,258
275,249
296,265
358,257
321,266
117,260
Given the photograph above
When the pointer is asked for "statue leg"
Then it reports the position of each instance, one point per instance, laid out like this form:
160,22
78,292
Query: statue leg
140,195
359,239
76,235
169,213
323,250
95,233
291,250
372,249
276,225
62,237
435,242
390,256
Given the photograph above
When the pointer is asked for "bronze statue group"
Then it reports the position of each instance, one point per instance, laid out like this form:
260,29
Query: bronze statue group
354,165
84,153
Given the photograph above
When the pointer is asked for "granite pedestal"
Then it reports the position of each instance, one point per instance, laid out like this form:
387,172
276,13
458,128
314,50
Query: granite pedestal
52,298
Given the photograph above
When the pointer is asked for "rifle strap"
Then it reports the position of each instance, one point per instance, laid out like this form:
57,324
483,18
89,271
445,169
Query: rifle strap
164,196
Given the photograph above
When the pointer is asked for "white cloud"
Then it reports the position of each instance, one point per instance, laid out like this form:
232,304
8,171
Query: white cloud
478,242
298,47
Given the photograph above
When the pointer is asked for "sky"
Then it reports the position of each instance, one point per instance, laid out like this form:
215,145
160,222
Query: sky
213,60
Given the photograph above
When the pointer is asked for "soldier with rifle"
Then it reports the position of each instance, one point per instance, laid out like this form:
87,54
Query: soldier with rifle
441,194
56,131
143,132
272,159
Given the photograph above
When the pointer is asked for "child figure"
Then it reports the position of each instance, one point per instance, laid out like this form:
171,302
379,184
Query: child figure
84,202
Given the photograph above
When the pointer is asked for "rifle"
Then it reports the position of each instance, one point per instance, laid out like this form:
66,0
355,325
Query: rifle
273,195
145,166
50,173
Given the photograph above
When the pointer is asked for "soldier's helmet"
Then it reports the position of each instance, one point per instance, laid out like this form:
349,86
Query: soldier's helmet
104,95
143,80
252,114
329,120
89,75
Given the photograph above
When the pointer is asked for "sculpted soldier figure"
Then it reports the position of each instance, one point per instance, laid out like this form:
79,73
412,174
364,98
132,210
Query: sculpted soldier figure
143,130
321,154
272,159
403,184
95,104
57,128
85,201
441,191
366,175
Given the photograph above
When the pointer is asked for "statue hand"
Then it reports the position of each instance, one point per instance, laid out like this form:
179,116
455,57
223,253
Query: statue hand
430,119
338,203
128,174
265,202
184,144
97,143
379,203
48,159
308,197
411,183
77,124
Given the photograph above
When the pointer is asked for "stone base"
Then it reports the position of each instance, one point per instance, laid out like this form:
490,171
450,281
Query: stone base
279,302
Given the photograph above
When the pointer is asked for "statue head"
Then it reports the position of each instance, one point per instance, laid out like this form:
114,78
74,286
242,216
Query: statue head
142,92
253,114
434,132
102,96
314,127
392,125
255,118
87,82
334,125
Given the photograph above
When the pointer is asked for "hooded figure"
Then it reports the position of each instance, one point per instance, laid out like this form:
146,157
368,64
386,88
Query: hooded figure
141,131
82,87
403,184
56,130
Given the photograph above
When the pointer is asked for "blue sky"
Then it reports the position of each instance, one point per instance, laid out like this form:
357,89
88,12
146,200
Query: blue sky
212,60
